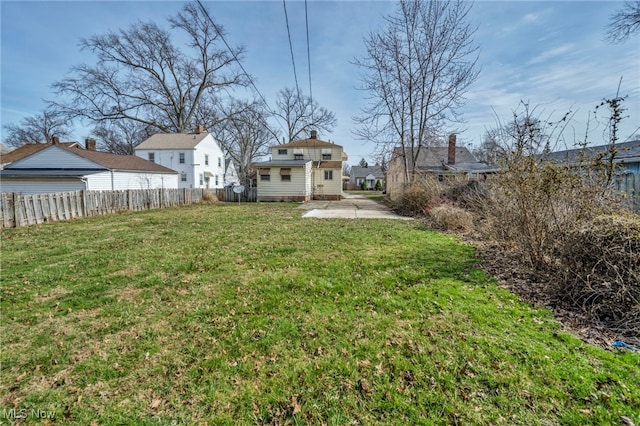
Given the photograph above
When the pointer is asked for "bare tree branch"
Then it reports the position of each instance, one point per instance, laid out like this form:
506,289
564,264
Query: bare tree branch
39,128
416,71
121,136
142,76
624,23
244,135
302,114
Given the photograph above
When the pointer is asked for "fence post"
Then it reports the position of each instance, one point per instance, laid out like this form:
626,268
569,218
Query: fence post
16,199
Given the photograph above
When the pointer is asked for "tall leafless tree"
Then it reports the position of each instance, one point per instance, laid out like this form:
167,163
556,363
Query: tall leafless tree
417,71
38,128
624,23
302,114
244,135
121,136
141,75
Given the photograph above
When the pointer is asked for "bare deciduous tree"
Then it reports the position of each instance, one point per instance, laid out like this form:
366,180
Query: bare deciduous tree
624,23
244,135
143,76
417,71
39,128
302,114
121,136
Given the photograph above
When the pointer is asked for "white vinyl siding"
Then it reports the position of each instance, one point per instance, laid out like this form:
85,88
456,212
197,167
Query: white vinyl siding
298,185
41,186
195,162
117,180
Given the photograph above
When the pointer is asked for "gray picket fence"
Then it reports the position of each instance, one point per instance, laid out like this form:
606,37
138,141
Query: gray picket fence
18,210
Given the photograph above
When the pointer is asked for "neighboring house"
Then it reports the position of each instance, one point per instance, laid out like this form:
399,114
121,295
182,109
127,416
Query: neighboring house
301,170
230,173
368,174
627,160
627,157
31,148
56,168
450,163
196,157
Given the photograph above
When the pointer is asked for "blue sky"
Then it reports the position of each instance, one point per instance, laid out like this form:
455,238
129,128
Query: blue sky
551,54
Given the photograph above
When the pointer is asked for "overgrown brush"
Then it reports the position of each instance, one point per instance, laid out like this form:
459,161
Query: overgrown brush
451,218
600,264
209,197
564,220
423,194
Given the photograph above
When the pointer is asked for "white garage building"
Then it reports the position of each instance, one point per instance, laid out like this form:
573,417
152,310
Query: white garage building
59,169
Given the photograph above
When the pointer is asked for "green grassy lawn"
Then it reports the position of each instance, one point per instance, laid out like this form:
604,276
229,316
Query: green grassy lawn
227,314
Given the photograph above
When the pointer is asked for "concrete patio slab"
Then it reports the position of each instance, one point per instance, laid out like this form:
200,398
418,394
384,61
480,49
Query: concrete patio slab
353,206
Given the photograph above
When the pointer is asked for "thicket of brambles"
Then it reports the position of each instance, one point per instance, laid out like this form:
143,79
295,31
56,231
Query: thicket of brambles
564,220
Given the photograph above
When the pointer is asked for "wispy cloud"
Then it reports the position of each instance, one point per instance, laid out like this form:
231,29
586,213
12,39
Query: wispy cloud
551,54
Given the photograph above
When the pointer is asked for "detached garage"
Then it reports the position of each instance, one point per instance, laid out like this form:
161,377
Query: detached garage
60,169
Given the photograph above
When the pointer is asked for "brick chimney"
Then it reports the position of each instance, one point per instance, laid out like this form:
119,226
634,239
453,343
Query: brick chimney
90,144
314,134
451,157
199,128
55,140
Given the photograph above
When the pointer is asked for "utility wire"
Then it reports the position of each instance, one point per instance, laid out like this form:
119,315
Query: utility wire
295,74
306,21
235,57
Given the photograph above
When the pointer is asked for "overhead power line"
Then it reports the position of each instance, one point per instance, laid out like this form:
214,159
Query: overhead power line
235,57
306,21
295,74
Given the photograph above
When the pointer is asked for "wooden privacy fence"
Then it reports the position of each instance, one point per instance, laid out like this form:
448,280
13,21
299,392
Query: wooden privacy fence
248,195
23,210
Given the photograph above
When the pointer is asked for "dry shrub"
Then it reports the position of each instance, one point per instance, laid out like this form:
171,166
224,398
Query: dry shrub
209,197
451,218
601,265
533,205
419,197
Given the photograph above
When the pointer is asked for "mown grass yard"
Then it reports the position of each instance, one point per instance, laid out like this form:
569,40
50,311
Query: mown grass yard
227,314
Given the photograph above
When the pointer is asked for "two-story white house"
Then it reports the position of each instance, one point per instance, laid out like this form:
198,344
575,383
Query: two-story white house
197,157
302,170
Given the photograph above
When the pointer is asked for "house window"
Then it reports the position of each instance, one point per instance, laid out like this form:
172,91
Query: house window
152,157
201,178
298,157
282,152
285,175
181,158
328,175
326,153
206,159
216,180
265,174
219,161
183,177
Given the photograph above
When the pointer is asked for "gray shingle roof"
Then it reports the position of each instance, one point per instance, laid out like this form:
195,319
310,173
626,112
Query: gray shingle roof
358,171
120,162
627,152
434,157
173,141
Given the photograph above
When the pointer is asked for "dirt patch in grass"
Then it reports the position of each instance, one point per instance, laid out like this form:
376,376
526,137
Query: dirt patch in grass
55,293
